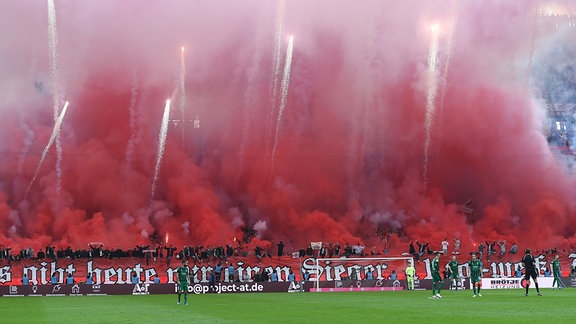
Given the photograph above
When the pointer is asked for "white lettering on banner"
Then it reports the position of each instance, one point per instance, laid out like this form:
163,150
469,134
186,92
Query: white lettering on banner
223,288
499,269
149,274
45,273
43,276
112,275
201,274
330,271
170,273
5,274
141,289
294,287
573,257
204,270
428,269
31,273
337,272
282,272
96,273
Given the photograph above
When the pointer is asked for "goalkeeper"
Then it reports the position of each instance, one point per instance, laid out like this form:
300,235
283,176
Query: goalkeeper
410,274
475,275
453,268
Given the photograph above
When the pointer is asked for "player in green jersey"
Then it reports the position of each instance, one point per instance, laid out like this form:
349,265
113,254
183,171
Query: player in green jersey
183,280
557,273
453,268
436,278
475,275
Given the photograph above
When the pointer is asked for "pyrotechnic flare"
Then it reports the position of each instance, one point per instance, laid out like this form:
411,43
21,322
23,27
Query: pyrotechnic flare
53,56
132,110
450,25
431,92
276,70
55,132
56,87
182,91
283,99
161,147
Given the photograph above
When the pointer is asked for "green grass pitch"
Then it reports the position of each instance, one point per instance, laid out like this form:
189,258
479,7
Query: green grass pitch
496,306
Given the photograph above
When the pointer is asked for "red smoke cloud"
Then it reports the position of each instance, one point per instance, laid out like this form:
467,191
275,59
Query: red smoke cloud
350,153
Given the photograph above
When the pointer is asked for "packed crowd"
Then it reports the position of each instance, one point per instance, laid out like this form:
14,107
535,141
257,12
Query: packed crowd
197,253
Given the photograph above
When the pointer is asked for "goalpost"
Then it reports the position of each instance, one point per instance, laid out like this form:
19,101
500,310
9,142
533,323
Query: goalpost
360,274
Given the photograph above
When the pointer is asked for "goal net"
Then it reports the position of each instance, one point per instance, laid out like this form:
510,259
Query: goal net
360,274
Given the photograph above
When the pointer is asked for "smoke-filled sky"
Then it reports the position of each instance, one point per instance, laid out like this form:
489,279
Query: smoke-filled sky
382,114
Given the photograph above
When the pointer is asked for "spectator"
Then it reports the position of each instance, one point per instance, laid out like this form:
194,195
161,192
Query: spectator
231,272
218,271
386,245
70,279
513,249
134,279
445,246
369,275
54,279
258,253
502,244
518,272
354,274
421,249
169,254
257,277
412,251
481,248
212,281
322,253
490,249
292,276
292,280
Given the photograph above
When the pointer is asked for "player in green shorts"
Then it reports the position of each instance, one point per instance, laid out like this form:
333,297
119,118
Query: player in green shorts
183,280
557,273
475,275
436,279
453,267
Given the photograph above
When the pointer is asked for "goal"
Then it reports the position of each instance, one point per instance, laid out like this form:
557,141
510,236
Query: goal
360,274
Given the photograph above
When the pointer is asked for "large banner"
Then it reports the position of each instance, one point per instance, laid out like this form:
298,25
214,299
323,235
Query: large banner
244,270
146,289
79,289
